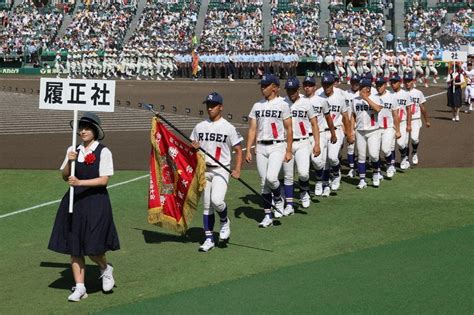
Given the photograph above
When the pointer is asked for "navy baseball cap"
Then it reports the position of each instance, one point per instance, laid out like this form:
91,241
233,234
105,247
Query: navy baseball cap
292,83
395,78
328,78
365,82
214,98
368,75
355,78
408,77
269,78
380,81
309,80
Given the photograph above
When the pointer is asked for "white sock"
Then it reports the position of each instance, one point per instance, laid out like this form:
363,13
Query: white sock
80,286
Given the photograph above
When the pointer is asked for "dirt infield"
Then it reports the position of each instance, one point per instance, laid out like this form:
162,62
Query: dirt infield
445,144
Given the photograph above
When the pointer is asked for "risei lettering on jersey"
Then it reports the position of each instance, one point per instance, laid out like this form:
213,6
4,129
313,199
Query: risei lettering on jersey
402,102
299,113
268,113
362,107
334,108
211,136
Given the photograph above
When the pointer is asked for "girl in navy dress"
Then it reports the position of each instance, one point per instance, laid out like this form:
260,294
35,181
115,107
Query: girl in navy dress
90,229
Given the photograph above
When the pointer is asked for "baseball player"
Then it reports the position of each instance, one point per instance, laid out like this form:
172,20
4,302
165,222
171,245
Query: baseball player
305,126
218,137
269,126
365,109
327,132
418,109
58,64
336,99
350,61
351,94
339,62
404,117
389,123
417,69
470,87
430,68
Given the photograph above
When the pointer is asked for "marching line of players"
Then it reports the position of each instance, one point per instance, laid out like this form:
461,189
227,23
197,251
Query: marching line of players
145,64
310,128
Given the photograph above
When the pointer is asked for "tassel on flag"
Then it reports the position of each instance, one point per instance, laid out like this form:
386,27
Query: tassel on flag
176,180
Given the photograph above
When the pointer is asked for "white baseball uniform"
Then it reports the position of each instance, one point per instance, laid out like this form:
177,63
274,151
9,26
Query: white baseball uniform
386,122
404,105
417,98
321,109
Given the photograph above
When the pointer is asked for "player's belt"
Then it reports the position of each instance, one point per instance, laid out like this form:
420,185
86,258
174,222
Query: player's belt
301,139
268,142
327,129
212,166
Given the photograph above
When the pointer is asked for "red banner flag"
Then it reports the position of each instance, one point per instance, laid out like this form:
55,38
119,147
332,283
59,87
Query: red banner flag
176,180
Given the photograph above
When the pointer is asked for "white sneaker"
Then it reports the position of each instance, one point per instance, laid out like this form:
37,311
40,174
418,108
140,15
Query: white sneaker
362,184
376,180
207,245
224,233
326,191
457,117
318,189
305,199
414,159
280,207
266,222
336,183
351,173
404,164
107,277
77,295
434,81
289,211
390,171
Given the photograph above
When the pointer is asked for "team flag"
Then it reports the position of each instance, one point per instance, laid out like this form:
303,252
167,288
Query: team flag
176,180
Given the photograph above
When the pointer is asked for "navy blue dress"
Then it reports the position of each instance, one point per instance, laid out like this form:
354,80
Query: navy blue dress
90,229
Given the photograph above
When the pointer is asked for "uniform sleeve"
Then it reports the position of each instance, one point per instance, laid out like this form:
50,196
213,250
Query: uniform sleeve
286,112
194,135
395,105
65,158
325,107
344,101
310,111
106,166
252,112
235,136
422,98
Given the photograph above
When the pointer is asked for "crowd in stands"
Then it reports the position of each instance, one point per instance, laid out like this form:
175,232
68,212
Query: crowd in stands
98,26
28,29
296,29
360,29
161,26
460,24
237,27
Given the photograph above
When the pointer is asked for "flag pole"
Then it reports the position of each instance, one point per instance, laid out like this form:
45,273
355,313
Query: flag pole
150,108
73,163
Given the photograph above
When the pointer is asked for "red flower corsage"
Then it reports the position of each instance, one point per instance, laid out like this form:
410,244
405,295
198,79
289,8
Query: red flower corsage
89,159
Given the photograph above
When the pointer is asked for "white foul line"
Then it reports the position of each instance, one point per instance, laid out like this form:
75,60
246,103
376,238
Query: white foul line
56,201
121,183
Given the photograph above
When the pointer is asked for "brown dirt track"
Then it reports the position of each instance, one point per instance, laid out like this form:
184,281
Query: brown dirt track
445,144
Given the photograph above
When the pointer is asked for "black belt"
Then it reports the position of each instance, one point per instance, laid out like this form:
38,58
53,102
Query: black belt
310,134
212,166
327,129
268,142
301,139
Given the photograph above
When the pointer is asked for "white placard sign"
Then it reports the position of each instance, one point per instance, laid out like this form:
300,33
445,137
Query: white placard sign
72,94
454,56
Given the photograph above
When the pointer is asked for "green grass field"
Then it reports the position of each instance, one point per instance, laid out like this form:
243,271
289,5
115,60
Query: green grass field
403,248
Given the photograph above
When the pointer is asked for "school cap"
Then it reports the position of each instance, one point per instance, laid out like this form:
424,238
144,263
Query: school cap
365,82
355,78
309,80
408,77
93,120
395,78
292,83
214,98
380,81
269,78
328,78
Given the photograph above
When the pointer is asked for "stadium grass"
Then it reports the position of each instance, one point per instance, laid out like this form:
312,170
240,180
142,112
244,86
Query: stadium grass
400,248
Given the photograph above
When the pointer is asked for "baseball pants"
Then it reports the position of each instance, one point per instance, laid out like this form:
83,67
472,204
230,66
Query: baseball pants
301,156
431,69
334,148
402,142
388,141
217,180
416,125
320,161
368,140
269,162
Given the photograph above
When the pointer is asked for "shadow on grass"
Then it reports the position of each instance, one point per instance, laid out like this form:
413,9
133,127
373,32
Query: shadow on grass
442,118
193,235
66,281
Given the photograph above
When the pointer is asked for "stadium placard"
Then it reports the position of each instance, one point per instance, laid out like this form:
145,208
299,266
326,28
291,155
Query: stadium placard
454,56
74,94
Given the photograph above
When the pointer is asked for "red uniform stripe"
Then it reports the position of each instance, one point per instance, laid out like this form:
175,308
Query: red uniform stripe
218,153
372,120
401,113
385,122
413,108
302,128
274,131
333,116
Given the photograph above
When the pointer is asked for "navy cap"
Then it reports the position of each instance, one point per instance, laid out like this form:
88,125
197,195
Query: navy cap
310,80
269,78
368,75
214,98
395,78
408,77
355,78
380,81
292,83
328,78
365,82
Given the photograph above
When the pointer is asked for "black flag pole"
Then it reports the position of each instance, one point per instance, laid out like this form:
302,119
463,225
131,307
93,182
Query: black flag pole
150,108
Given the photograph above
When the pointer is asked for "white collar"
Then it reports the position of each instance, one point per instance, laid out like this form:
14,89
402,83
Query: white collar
91,148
